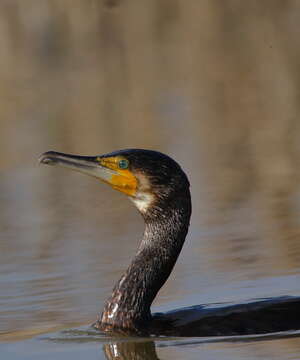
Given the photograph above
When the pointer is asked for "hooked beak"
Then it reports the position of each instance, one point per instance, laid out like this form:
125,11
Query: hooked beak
122,180
85,164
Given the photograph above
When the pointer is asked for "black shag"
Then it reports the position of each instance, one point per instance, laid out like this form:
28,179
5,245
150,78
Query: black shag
160,190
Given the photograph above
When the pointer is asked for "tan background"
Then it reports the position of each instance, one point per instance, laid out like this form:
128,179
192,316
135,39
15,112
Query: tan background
213,83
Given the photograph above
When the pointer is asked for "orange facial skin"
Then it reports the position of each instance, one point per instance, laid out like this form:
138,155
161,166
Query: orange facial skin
123,179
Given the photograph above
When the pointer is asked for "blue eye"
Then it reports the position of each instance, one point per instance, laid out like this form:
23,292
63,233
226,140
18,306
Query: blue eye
123,164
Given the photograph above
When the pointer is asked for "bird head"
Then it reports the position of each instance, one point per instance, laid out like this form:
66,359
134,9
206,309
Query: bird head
145,176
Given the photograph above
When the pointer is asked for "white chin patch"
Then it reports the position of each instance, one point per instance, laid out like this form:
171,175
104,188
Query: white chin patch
142,201
144,198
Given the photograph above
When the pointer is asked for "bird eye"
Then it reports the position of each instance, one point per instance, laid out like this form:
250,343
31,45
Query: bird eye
123,164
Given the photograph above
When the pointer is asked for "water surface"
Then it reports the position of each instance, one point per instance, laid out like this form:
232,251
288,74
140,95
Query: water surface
68,238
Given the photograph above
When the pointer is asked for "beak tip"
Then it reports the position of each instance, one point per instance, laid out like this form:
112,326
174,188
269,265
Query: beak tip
47,158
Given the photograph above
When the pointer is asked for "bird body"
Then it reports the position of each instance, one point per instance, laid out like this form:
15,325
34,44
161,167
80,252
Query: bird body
160,190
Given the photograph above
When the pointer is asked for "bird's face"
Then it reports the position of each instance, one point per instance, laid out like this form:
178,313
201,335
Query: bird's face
115,171
143,175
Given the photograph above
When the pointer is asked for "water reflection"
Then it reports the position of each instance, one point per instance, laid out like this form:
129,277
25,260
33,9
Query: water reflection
130,350
241,347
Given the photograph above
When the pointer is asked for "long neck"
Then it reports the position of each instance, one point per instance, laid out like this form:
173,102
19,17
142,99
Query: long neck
128,308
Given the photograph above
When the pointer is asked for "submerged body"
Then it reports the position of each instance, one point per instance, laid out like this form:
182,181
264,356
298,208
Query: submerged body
160,190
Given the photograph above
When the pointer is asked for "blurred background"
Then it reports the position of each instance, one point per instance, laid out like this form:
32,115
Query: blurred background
214,84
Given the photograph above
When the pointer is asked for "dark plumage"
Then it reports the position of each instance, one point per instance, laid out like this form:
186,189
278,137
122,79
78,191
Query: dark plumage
160,190
166,226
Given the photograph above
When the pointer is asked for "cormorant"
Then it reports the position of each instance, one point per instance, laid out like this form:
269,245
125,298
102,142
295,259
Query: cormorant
159,188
